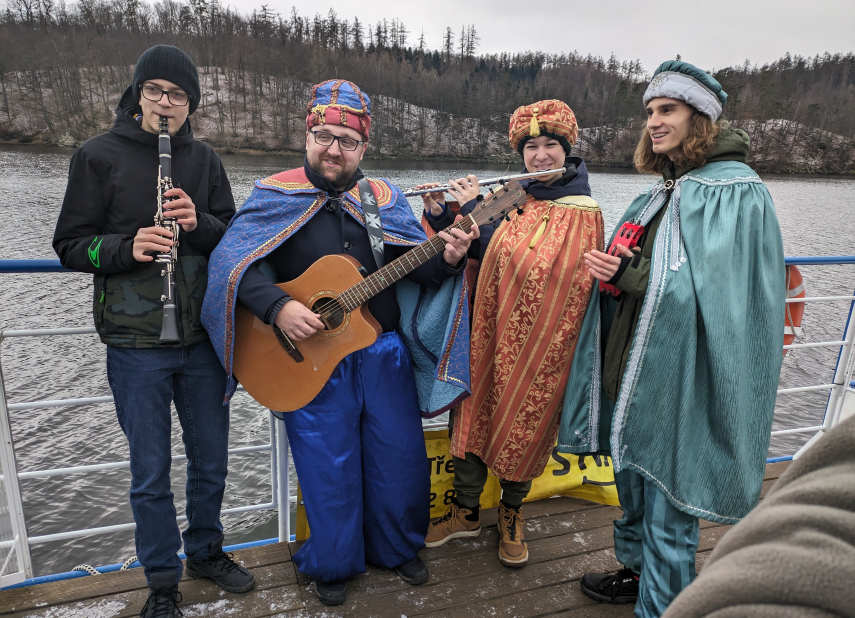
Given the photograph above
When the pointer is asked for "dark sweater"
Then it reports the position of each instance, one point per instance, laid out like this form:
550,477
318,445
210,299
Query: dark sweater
332,230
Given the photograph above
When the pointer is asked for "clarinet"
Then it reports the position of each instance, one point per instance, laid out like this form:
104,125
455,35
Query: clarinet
169,328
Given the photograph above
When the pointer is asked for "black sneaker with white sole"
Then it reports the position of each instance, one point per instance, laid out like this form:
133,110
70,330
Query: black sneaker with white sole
616,588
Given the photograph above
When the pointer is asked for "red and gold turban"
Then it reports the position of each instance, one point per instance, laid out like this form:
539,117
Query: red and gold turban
551,117
338,101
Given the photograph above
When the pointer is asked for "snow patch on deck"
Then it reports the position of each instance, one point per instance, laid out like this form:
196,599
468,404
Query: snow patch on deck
103,609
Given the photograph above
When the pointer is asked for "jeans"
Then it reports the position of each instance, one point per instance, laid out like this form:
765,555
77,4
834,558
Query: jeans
144,383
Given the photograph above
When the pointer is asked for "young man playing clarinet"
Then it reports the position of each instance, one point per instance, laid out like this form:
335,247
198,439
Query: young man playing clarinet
358,446
105,227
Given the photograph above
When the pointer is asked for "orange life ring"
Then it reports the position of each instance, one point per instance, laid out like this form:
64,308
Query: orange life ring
794,311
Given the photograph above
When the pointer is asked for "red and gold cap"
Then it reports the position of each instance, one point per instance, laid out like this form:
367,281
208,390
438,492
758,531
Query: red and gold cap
551,117
338,101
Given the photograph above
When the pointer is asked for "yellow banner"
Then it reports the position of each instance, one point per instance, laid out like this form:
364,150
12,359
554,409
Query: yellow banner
590,477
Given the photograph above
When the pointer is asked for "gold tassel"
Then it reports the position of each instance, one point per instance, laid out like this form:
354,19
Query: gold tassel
539,233
534,128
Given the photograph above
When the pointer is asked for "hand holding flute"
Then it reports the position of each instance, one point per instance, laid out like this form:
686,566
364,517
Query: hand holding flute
462,190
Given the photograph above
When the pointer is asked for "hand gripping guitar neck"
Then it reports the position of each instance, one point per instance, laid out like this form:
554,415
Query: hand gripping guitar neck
628,236
168,259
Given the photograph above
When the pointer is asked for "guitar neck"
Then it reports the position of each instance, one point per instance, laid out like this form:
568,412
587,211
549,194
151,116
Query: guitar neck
396,270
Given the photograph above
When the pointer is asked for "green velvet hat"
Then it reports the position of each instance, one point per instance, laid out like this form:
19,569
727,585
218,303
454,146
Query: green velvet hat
685,82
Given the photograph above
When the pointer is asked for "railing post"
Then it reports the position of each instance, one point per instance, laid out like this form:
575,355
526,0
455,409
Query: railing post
843,373
274,467
284,498
21,546
841,381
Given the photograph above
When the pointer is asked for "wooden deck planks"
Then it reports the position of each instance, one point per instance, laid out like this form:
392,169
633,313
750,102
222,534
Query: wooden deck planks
567,537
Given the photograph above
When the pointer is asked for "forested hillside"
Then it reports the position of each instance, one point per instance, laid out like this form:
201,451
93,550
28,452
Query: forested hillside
62,68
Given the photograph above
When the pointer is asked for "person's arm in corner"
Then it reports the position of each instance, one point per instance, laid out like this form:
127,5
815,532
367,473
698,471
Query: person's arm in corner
78,239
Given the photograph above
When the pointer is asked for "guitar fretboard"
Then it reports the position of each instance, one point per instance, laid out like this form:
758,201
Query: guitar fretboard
396,270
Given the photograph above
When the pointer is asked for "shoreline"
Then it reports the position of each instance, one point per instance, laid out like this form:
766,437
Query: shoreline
440,160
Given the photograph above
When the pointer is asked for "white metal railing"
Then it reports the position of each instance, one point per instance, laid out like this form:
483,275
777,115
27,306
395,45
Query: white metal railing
279,471
278,446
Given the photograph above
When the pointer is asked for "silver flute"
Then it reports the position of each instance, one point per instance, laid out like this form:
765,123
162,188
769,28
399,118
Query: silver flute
168,259
488,181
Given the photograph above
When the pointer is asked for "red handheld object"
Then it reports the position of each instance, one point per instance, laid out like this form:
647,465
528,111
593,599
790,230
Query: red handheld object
628,235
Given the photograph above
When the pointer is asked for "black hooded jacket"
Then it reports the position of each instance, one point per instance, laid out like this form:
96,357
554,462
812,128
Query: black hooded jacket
111,194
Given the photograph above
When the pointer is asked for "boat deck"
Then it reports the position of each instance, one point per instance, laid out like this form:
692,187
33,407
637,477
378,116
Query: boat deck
567,537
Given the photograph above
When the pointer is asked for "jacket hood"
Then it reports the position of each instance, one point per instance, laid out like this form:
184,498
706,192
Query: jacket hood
128,119
573,182
730,145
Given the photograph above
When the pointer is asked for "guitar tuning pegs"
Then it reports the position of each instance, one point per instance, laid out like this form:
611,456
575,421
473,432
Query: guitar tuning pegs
507,218
520,211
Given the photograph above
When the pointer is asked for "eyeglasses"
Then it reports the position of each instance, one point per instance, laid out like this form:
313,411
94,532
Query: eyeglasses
322,138
175,97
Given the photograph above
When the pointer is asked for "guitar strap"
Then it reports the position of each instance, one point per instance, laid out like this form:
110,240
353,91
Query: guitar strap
373,224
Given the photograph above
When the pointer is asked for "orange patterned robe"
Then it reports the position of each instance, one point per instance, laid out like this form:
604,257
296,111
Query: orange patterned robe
530,301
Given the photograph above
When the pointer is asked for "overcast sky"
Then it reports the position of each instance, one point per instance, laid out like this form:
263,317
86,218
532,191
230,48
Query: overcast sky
712,35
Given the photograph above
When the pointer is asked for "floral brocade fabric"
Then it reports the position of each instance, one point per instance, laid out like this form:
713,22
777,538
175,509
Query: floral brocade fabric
532,293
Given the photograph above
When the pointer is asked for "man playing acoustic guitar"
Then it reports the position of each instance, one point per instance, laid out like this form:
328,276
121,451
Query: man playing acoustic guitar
358,446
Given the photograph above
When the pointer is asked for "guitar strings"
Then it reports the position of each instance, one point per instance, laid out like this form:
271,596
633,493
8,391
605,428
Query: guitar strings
334,310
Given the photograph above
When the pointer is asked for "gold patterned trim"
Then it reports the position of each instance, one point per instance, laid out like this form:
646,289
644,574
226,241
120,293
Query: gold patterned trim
582,202
288,186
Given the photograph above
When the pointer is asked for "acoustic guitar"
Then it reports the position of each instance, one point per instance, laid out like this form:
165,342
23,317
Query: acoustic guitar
285,375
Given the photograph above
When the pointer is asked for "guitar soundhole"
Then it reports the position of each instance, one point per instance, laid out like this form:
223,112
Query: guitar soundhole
331,312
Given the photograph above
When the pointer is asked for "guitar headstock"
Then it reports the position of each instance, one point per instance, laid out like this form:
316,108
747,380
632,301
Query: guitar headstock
500,203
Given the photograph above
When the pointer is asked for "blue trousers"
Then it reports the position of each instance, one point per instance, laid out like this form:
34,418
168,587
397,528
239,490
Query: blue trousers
144,383
360,455
655,540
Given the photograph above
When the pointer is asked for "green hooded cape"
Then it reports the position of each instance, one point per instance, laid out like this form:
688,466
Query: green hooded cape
694,410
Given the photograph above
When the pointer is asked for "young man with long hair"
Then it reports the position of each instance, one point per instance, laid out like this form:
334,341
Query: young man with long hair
693,351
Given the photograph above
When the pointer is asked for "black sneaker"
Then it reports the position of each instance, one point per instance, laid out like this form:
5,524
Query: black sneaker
163,597
220,567
413,572
331,593
616,588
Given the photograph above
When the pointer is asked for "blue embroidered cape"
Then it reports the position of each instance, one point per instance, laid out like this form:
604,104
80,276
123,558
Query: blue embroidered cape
695,408
434,321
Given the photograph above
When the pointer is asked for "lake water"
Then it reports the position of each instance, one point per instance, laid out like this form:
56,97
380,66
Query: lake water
817,217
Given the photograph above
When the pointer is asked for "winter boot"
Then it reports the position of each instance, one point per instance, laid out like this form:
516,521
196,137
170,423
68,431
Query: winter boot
163,597
458,522
220,567
513,550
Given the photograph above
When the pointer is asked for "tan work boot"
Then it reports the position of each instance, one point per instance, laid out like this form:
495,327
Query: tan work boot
513,550
452,525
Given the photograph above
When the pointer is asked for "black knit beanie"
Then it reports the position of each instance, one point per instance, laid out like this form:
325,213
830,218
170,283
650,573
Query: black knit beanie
169,63
560,138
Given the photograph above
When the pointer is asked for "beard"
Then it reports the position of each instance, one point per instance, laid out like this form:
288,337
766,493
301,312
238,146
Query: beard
339,179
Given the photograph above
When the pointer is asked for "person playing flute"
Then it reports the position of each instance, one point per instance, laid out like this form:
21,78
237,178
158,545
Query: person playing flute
530,301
